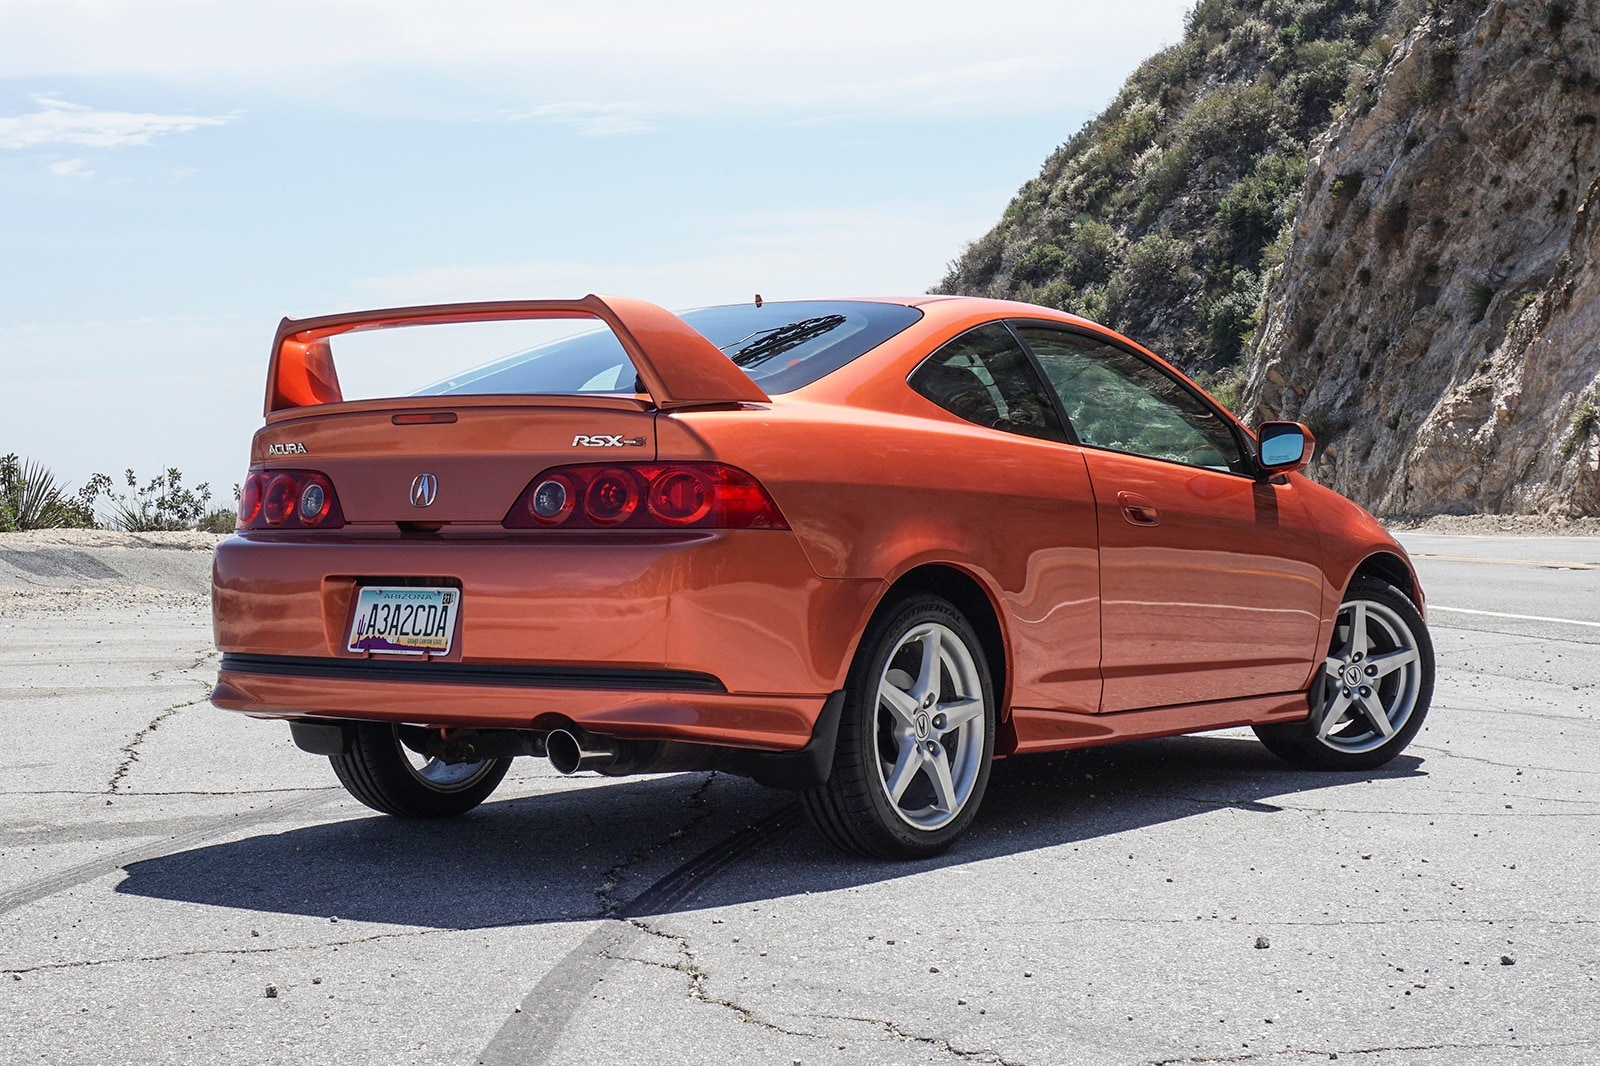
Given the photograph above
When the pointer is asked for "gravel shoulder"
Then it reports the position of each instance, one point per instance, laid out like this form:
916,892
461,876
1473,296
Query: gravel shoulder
69,569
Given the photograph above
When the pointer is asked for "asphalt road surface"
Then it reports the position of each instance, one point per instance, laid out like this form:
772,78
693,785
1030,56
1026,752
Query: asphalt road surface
179,884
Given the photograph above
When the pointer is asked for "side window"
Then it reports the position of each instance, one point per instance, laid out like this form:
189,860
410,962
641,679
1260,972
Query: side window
985,377
1115,399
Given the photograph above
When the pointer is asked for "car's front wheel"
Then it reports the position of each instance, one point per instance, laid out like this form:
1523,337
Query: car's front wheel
916,736
380,771
1372,693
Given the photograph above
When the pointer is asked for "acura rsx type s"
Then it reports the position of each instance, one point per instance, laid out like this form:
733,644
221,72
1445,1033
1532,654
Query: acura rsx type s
853,548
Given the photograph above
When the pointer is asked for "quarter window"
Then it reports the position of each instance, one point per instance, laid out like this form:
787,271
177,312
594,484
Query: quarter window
985,377
1118,400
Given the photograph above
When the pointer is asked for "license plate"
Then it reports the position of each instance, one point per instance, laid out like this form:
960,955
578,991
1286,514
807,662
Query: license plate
404,620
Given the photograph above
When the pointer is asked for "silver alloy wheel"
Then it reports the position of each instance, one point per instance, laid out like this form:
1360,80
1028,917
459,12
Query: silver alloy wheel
930,726
1370,680
441,776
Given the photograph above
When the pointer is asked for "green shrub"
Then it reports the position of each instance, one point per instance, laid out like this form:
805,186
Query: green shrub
1346,185
1231,317
219,520
1393,219
32,498
1254,209
1585,420
1231,122
1480,294
162,503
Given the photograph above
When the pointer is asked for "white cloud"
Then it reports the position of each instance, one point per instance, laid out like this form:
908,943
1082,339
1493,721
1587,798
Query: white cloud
71,168
695,56
60,122
592,120
780,254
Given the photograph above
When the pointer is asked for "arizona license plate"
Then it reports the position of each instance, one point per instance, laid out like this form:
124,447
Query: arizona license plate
404,620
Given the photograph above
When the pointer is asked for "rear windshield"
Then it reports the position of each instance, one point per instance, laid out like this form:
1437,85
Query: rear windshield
782,345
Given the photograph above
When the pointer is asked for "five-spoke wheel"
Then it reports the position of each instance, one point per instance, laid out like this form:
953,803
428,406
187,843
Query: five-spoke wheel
916,737
1372,693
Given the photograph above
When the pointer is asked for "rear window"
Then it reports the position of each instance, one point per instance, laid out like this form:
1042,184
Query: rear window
782,345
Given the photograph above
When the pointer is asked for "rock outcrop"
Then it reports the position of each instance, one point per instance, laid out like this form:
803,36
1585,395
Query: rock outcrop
1436,319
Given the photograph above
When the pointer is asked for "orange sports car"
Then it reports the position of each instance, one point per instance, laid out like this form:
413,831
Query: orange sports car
858,549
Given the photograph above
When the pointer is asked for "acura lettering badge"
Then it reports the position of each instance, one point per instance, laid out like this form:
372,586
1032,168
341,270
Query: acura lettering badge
424,488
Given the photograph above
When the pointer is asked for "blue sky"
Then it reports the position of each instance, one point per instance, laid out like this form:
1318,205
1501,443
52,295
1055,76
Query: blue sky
177,175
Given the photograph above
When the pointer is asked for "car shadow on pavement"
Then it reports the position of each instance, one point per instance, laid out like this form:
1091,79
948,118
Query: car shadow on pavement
588,849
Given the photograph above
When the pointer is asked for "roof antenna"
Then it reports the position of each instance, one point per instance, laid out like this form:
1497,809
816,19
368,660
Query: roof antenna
758,299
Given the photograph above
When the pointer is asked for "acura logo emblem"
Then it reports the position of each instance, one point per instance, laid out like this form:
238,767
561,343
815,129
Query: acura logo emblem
424,489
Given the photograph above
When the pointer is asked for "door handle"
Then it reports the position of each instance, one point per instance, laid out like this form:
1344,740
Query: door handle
1138,510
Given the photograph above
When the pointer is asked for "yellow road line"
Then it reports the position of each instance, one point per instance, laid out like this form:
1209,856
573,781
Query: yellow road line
1552,563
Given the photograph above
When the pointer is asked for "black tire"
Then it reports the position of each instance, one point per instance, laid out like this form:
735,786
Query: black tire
379,771
1380,662
950,723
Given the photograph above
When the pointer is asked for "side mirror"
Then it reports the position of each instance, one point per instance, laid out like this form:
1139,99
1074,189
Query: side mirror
1285,446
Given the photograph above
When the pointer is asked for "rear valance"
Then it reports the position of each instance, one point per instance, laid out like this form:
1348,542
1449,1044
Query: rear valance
677,366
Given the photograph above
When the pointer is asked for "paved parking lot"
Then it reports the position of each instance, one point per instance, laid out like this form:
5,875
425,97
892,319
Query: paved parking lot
181,884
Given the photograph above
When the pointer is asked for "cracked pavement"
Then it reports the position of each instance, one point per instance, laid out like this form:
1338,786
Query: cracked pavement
164,865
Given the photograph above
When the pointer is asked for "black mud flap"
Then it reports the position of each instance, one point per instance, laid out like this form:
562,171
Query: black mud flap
321,738
808,768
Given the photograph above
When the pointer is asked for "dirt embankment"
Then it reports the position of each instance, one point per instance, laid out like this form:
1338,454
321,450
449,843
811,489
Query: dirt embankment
72,568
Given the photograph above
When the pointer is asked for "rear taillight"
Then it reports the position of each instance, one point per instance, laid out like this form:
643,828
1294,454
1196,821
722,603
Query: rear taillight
288,499
645,496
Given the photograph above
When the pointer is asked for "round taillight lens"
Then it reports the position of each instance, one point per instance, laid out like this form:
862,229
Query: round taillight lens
680,497
314,502
551,501
278,501
612,497
250,499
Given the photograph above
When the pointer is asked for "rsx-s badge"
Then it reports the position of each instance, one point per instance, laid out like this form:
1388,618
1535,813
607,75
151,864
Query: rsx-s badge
602,440
293,447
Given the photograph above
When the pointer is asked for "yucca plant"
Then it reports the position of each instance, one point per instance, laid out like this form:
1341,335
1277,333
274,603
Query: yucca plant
32,498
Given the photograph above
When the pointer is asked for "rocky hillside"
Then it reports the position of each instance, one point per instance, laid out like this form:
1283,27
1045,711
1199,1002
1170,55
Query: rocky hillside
1160,217
1436,319
1371,216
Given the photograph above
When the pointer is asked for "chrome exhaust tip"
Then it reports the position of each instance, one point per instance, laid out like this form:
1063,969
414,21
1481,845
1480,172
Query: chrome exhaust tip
569,753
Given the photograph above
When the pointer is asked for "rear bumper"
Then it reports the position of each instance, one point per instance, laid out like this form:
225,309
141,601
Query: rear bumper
646,705
726,638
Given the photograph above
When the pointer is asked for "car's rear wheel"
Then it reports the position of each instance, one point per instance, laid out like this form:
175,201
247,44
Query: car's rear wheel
380,771
1370,697
916,736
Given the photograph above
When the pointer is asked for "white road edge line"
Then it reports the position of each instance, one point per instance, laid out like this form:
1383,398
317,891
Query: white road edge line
1521,617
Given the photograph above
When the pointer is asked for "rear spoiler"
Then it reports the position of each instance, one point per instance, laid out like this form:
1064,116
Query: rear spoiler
678,366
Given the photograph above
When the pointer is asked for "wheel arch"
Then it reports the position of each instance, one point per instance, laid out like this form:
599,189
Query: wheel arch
969,596
1394,569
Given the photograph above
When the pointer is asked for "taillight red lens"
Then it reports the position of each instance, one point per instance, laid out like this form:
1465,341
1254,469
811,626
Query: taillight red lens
250,500
672,495
680,497
612,497
278,503
289,499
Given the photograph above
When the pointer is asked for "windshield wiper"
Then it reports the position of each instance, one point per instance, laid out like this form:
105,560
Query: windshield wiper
773,342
